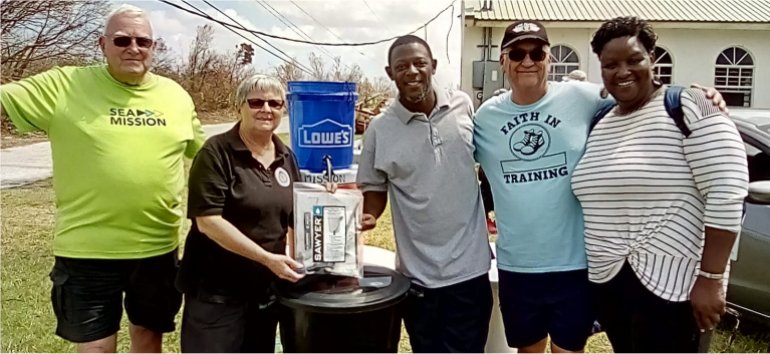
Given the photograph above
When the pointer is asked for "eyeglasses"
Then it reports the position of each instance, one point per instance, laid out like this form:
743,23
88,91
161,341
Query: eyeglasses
125,41
518,54
256,103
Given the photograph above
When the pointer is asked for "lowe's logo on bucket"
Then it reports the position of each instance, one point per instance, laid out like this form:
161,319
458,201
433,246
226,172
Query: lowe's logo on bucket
327,134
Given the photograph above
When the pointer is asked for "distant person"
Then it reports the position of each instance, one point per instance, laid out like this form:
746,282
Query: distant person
662,205
119,135
575,75
419,153
241,206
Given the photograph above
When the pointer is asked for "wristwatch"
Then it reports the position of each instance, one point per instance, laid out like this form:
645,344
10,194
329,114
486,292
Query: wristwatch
712,276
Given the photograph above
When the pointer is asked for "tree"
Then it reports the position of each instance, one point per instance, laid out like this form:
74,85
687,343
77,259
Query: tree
374,93
165,62
288,71
37,34
336,72
211,77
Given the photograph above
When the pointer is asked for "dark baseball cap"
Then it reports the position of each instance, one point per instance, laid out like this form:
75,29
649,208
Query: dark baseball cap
521,30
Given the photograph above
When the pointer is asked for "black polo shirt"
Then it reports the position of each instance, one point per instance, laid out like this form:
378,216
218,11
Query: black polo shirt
226,180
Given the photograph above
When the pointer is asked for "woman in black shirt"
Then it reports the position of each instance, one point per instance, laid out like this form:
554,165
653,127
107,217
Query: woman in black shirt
240,202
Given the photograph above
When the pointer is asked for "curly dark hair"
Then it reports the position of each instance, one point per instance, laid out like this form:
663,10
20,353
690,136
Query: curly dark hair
621,27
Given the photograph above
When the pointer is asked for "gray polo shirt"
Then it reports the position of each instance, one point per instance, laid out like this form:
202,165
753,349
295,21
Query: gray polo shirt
426,165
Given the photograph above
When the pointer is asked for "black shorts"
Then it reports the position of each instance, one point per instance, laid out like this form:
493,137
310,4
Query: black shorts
536,305
87,295
450,319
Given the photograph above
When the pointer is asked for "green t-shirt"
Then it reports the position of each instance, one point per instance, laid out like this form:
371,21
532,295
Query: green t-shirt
118,157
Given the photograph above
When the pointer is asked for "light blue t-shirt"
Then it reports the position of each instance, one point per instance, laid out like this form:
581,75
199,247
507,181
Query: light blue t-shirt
528,154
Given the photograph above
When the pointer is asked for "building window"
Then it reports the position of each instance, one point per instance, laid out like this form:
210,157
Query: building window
563,61
664,66
734,76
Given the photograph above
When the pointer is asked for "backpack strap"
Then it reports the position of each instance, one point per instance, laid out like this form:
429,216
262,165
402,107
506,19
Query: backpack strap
599,115
673,103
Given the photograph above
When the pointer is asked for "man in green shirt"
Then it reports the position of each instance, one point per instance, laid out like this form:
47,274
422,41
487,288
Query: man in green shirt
119,135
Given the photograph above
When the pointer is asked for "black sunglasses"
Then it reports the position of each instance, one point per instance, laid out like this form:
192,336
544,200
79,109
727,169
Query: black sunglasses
256,103
125,41
518,54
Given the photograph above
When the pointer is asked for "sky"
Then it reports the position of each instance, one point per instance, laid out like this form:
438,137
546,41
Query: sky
332,21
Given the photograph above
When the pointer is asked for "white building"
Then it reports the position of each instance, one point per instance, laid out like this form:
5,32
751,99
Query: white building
721,43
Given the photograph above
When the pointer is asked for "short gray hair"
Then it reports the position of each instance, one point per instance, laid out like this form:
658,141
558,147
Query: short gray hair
260,83
129,10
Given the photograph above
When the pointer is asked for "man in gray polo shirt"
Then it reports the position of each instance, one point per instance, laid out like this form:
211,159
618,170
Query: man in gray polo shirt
420,151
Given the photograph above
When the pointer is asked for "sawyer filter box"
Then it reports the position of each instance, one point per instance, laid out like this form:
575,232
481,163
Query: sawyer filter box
326,236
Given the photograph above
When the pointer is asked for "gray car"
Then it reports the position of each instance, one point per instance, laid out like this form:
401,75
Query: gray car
749,286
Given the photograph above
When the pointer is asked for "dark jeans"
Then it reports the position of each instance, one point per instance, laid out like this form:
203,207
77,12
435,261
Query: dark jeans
636,320
88,295
453,318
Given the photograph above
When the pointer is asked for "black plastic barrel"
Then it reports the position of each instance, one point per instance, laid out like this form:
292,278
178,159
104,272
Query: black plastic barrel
329,314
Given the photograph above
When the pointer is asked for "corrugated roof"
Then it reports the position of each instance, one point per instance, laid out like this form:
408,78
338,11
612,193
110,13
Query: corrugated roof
754,11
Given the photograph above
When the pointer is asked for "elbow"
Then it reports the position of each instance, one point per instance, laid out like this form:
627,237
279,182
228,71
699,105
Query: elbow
206,225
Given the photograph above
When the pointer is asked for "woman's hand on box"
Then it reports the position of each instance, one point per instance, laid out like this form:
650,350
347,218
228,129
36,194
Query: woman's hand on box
284,267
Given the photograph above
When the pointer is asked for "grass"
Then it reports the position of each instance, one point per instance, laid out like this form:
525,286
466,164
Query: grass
27,322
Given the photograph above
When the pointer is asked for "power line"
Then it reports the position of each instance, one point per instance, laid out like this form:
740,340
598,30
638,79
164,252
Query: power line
344,44
449,31
204,14
319,23
290,25
316,21
237,23
377,16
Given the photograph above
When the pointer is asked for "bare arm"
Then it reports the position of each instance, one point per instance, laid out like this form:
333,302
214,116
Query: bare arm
716,252
230,238
290,243
374,205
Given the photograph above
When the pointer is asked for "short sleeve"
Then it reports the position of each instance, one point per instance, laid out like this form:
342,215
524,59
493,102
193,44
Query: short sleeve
31,102
369,178
199,136
208,185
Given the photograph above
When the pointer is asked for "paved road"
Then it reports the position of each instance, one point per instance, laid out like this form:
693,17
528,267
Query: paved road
26,164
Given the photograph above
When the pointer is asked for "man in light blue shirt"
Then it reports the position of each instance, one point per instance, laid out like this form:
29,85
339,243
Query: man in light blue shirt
528,142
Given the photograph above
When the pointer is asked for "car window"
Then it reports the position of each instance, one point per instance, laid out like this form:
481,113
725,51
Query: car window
759,163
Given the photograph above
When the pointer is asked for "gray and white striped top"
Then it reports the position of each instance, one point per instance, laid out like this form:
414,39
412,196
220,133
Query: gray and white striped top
647,192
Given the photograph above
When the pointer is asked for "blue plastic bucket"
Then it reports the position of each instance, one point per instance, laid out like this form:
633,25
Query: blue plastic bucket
322,120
